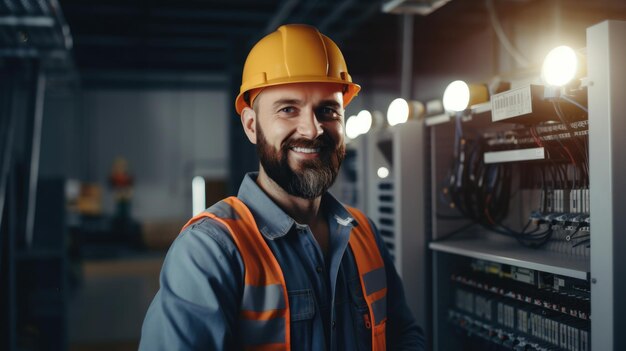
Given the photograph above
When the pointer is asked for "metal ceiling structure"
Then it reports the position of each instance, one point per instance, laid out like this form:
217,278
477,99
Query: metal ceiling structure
34,28
204,42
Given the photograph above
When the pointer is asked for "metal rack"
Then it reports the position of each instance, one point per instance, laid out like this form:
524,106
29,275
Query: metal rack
31,28
494,248
35,41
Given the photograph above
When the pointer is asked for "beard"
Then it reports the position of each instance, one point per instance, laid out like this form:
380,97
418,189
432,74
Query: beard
311,178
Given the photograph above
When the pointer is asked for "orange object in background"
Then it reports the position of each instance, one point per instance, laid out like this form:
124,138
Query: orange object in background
121,182
120,179
89,200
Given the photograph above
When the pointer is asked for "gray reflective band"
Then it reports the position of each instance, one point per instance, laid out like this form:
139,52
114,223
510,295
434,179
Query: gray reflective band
256,332
263,298
380,309
375,280
223,210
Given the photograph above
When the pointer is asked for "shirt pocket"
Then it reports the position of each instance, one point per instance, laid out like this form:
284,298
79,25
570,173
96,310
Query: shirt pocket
302,313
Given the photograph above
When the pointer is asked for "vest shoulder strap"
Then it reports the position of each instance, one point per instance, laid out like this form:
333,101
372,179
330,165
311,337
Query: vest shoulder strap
264,318
372,274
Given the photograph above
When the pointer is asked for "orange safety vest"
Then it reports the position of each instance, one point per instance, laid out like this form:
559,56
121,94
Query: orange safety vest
264,317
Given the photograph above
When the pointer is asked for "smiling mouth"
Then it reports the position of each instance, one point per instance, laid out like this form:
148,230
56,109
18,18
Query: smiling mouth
306,150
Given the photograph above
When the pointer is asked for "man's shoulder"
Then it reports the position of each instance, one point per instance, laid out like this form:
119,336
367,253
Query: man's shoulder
201,247
204,229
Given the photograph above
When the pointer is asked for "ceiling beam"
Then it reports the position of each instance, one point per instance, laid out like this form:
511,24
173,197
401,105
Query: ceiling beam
284,10
27,21
334,15
174,42
165,12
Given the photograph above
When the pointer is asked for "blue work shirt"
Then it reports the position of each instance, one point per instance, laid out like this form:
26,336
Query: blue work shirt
202,279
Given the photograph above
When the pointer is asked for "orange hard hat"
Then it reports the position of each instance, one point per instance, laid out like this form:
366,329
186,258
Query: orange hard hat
294,53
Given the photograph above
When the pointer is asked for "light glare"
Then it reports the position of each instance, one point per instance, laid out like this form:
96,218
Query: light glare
456,97
364,119
559,66
383,172
398,112
198,195
352,127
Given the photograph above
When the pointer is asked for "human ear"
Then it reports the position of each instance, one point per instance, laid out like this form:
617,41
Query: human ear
248,121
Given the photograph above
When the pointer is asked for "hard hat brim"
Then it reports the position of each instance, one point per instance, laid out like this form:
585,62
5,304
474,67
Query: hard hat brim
351,91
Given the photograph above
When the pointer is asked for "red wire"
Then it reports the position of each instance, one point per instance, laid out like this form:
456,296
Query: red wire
537,140
571,158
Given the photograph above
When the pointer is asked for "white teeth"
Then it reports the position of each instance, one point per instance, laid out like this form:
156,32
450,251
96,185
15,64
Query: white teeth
306,150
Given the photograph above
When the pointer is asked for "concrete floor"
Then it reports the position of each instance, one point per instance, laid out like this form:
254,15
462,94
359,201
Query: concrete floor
107,310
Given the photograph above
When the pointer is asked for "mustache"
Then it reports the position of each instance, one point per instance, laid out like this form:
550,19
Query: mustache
322,142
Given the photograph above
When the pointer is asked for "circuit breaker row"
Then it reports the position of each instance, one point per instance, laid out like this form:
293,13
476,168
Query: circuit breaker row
497,306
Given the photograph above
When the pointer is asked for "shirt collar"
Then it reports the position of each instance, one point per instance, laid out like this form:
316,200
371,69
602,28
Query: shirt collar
271,220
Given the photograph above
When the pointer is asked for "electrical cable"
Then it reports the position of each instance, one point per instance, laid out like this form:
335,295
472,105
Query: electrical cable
449,217
574,102
581,242
582,150
502,37
454,232
482,192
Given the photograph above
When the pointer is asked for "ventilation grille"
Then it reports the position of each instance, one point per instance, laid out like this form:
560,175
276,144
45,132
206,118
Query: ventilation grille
385,215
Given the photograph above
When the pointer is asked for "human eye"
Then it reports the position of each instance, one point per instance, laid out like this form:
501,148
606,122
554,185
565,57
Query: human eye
328,112
287,110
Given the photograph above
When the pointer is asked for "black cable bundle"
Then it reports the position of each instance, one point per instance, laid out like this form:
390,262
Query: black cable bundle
481,192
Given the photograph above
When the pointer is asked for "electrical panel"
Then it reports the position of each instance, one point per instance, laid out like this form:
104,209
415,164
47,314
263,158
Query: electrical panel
518,260
497,305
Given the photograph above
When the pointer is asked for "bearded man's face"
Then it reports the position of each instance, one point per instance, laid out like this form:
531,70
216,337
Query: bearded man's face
307,178
300,137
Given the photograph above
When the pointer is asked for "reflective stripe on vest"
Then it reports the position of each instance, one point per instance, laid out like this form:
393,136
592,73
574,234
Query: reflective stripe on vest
264,318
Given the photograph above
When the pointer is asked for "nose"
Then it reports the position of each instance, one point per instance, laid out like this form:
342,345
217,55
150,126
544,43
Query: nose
309,126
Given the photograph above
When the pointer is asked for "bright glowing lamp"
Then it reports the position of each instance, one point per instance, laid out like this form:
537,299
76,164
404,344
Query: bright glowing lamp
398,112
456,97
459,95
364,120
383,172
560,66
352,127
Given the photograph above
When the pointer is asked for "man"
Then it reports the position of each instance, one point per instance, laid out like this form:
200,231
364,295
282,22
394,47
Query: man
284,266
